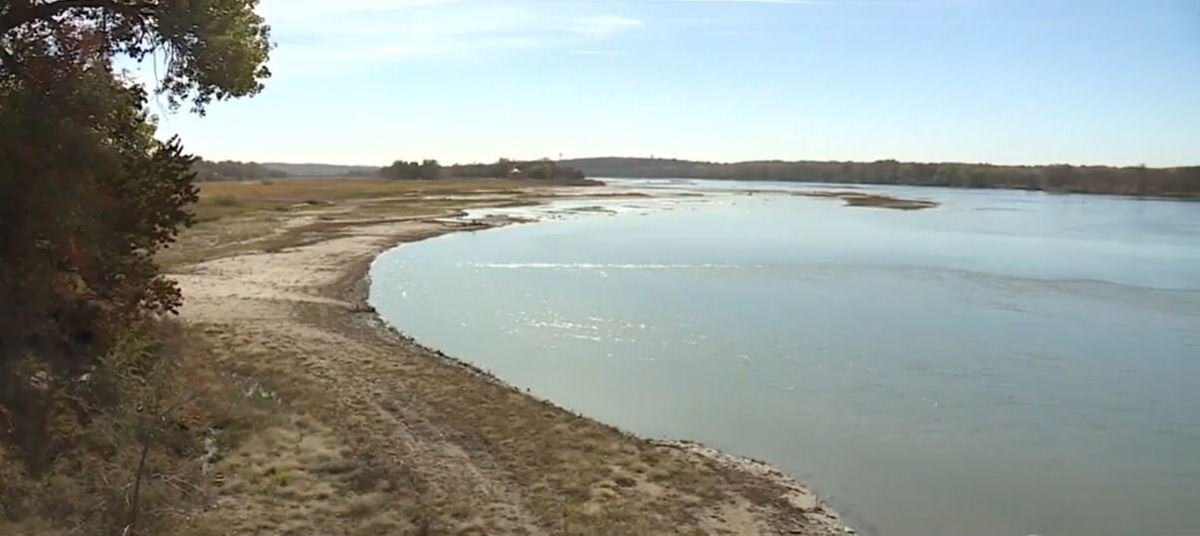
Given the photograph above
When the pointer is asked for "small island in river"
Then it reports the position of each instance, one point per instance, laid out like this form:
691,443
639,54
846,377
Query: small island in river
863,199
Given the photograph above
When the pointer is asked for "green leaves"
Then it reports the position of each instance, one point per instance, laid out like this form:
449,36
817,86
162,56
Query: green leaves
213,49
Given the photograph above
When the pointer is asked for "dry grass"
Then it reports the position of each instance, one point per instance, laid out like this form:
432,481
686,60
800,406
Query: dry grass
242,216
171,411
232,198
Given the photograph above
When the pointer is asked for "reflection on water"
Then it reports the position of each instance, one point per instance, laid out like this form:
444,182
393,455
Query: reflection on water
1009,363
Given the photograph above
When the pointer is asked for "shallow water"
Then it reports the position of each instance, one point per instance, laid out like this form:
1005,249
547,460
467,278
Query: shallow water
1009,363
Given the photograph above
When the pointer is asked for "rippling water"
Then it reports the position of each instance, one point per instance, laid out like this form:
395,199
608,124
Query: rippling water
1009,363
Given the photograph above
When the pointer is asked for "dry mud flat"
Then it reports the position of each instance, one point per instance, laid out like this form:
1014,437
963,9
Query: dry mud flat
371,433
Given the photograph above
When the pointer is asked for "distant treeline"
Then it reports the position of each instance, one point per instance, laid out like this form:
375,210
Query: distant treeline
322,170
1140,180
229,170
401,170
502,168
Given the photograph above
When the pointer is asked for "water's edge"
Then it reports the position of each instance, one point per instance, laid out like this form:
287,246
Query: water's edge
816,510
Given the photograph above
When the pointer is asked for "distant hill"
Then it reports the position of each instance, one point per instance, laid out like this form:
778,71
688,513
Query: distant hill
322,170
1139,180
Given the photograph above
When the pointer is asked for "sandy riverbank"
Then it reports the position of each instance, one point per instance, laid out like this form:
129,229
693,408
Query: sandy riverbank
371,433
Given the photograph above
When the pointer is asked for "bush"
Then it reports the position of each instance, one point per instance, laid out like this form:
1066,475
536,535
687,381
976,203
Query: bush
116,432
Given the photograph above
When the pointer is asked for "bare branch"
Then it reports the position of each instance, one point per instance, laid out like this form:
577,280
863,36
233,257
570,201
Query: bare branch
137,492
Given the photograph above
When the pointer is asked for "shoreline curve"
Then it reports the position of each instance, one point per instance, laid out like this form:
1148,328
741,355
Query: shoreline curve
478,453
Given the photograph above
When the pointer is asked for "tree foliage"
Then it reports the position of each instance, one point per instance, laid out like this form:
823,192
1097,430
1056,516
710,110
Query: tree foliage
429,169
500,169
229,170
87,193
212,49
401,170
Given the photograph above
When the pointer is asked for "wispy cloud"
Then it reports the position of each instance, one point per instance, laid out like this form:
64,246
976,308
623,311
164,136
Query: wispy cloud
596,52
318,37
602,25
283,10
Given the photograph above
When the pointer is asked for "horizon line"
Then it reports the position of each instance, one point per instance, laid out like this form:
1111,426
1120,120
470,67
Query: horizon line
734,162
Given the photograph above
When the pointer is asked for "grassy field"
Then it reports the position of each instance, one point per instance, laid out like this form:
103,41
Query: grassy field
233,198
234,217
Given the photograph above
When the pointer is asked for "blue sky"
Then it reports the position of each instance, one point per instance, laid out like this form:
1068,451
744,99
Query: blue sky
1004,81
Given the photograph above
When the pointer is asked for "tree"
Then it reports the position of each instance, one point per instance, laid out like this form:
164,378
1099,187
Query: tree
231,170
87,194
430,169
539,171
401,170
215,49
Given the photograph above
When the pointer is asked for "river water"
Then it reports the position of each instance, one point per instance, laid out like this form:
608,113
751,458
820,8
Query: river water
1009,363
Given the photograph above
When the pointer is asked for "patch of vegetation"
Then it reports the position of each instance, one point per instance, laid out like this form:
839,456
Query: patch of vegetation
861,199
541,170
229,170
225,201
883,201
124,443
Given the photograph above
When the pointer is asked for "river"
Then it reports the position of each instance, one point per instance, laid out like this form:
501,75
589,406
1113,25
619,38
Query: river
1008,363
